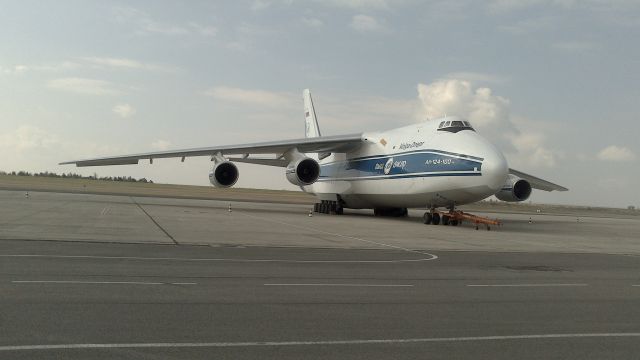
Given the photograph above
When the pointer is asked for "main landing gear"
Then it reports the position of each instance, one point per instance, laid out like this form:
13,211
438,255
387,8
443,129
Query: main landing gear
328,207
453,218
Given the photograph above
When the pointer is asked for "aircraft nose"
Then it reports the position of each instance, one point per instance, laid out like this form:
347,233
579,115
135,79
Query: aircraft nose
495,169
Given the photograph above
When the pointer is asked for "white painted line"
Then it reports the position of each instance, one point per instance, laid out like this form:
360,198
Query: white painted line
95,282
523,285
348,285
636,285
431,256
141,258
312,343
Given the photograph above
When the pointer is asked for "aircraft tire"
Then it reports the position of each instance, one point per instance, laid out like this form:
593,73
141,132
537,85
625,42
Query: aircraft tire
435,219
445,219
427,218
339,210
454,222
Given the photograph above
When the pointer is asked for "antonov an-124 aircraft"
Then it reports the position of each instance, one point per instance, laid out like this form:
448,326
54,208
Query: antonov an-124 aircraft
439,163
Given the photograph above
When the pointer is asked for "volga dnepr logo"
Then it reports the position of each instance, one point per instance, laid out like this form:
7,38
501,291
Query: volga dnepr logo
388,166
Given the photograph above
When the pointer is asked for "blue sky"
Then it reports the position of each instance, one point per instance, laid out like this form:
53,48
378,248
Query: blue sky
555,84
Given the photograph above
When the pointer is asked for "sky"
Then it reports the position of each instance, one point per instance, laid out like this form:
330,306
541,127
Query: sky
555,84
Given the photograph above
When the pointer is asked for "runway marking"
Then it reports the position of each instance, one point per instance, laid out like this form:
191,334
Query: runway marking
346,285
96,257
97,282
315,343
523,285
432,256
154,221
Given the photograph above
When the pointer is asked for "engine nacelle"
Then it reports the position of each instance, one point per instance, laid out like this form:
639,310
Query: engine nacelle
224,174
304,171
515,189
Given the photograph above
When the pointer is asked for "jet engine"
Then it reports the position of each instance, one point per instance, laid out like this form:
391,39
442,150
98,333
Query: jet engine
224,174
303,171
515,189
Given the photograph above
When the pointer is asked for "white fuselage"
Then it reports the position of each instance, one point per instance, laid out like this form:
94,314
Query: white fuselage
416,166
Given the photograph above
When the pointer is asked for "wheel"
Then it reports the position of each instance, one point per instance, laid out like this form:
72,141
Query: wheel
324,208
436,219
339,210
445,219
454,222
332,207
427,218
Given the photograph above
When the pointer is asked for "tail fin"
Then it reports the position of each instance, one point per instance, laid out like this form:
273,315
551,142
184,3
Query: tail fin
311,128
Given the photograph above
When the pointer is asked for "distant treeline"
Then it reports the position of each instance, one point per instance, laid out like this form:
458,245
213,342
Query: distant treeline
76,176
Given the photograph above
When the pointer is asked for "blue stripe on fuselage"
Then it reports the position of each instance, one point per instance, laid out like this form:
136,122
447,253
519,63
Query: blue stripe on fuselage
420,163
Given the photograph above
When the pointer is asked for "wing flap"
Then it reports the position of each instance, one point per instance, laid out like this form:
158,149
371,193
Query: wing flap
538,183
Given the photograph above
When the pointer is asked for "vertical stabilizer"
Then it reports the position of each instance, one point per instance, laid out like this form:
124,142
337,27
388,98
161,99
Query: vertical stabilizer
311,128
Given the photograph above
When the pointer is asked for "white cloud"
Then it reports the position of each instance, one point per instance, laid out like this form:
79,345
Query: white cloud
258,5
616,153
27,137
252,97
364,23
506,6
575,46
312,22
124,110
145,25
475,77
124,63
457,97
84,86
204,30
24,68
488,113
533,151
161,144
357,4
530,25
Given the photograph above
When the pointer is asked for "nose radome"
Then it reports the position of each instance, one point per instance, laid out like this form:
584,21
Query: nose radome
495,168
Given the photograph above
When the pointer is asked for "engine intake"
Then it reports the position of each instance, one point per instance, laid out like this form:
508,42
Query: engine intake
224,174
303,172
515,189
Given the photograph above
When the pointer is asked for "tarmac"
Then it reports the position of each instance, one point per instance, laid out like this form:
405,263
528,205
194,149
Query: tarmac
100,277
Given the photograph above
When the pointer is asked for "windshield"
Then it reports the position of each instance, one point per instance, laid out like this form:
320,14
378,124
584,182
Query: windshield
454,126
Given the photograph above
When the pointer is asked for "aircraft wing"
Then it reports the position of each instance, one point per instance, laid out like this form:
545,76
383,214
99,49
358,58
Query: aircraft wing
538,183
324,144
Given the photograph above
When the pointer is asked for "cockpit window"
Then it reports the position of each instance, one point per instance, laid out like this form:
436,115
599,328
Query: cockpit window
454,126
